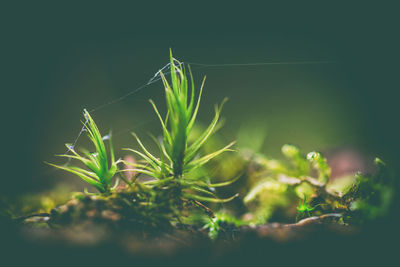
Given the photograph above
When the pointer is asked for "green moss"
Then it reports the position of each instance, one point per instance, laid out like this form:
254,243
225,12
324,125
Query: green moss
178,188
102,165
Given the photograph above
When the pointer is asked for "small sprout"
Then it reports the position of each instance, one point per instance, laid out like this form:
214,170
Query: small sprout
179,157
304,209
102,167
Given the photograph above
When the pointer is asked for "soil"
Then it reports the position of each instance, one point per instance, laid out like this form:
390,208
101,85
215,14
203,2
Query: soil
101,242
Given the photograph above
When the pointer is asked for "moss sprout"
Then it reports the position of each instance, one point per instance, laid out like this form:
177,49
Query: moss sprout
102,165
178,159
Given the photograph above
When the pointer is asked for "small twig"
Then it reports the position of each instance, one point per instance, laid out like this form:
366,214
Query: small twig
315,219
207,209
22,218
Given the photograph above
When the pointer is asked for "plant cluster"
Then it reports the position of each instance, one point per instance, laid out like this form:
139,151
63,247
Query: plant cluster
172,185
178,158
101,166
178,187
305,179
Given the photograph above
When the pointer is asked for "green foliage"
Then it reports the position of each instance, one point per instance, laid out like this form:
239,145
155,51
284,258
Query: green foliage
304,209
370,197
178,158
280,184
102,166
280,190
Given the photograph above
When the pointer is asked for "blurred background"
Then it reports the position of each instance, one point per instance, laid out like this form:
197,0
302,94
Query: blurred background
58,60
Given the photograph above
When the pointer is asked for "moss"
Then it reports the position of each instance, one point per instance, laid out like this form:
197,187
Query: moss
178,192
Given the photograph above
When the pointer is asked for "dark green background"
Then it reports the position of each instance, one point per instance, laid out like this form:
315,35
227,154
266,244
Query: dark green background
59,59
